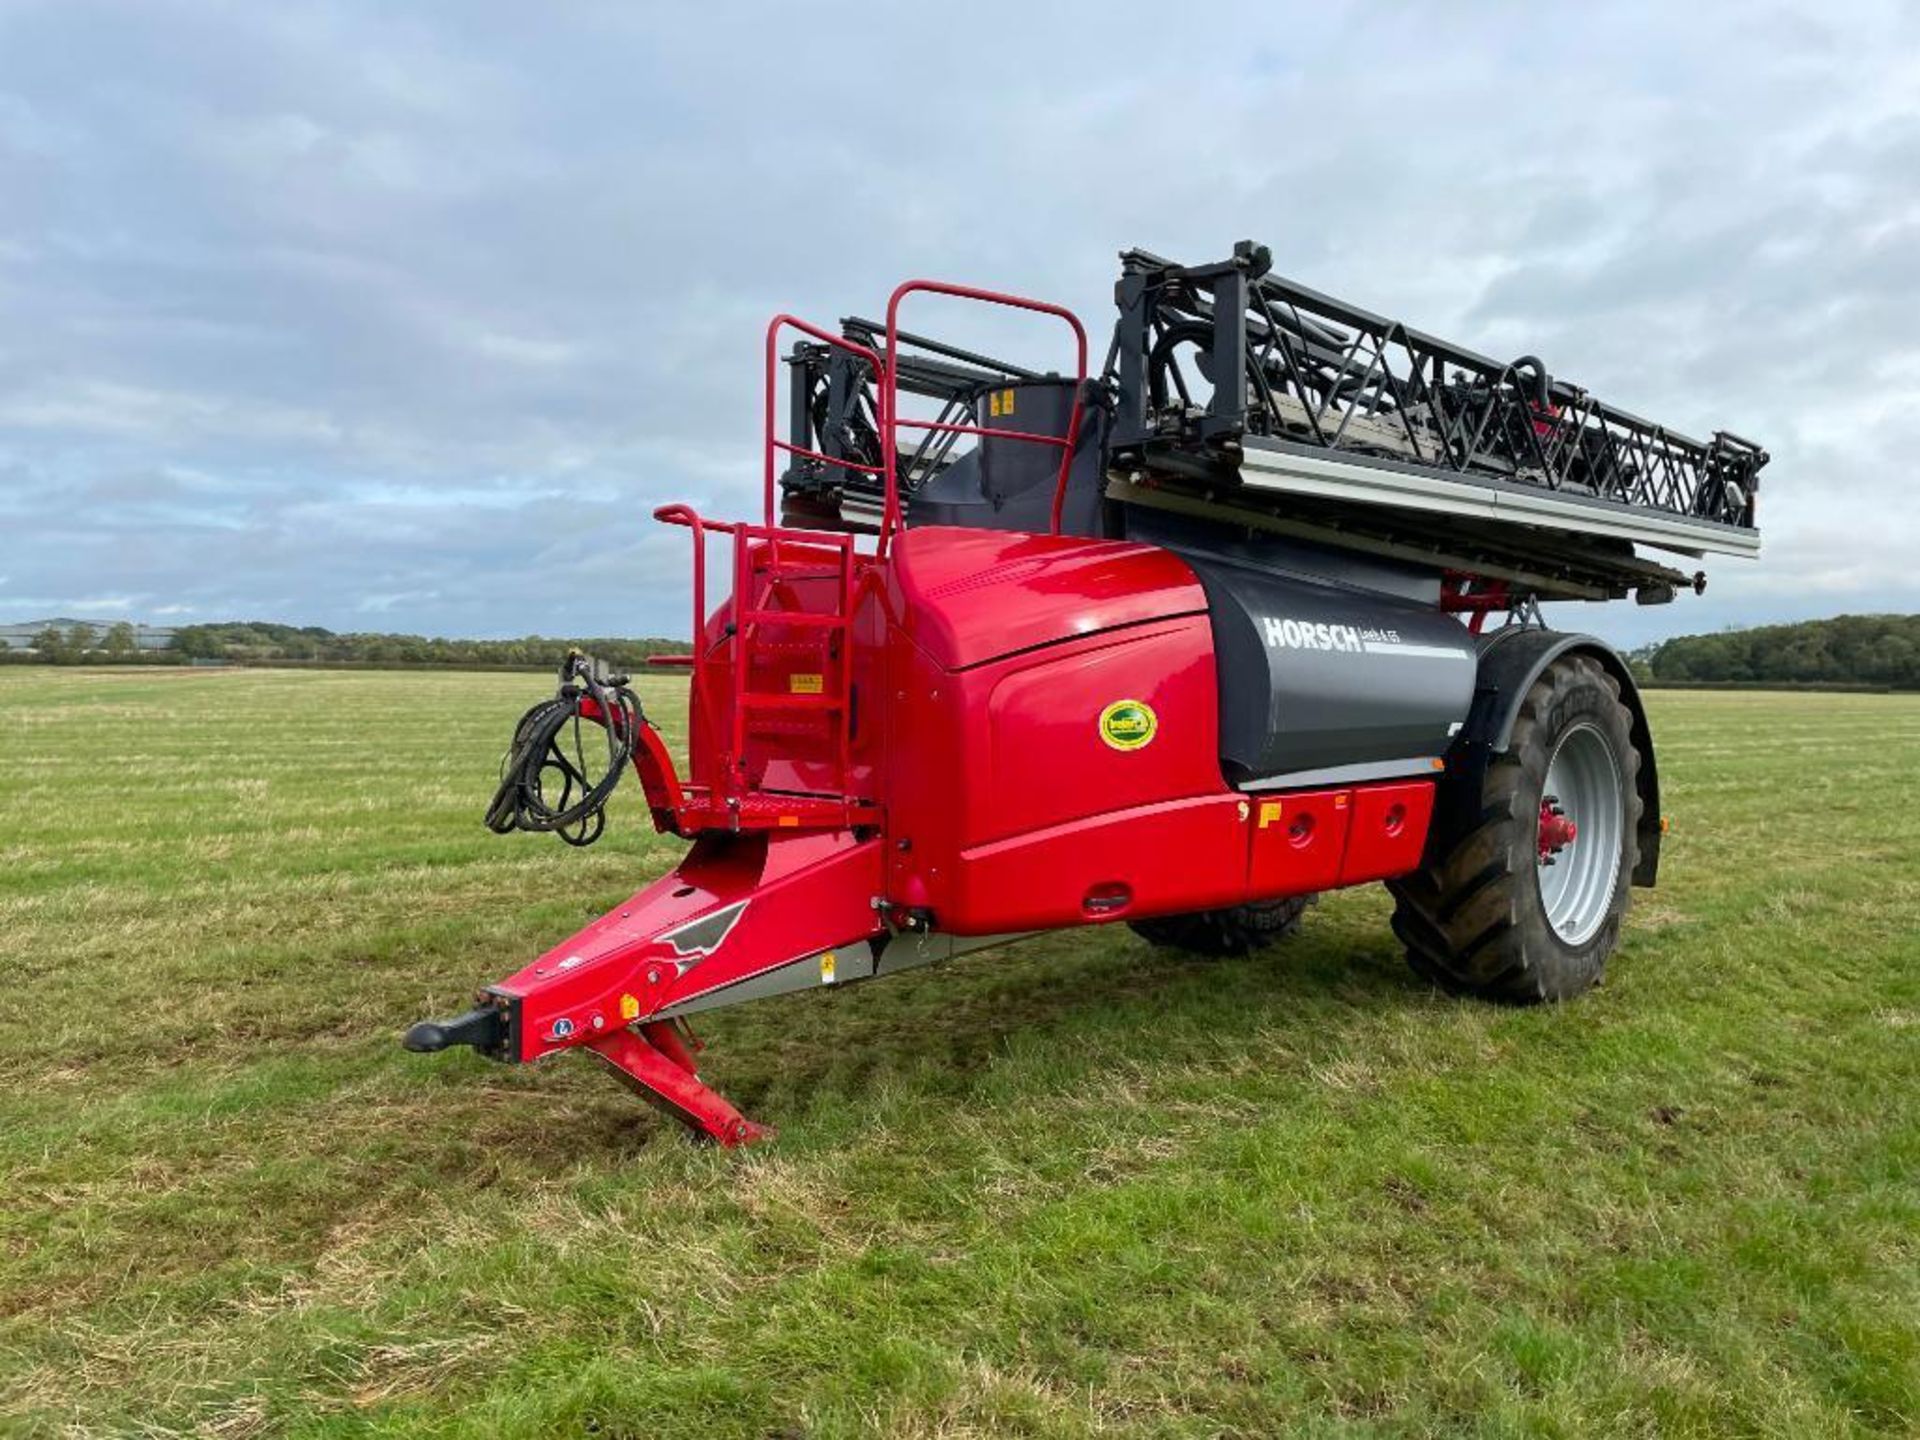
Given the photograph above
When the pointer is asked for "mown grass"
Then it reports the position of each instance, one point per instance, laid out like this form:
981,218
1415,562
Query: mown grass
1078,1187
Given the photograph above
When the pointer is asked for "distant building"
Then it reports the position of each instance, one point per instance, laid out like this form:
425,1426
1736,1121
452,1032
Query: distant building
145,637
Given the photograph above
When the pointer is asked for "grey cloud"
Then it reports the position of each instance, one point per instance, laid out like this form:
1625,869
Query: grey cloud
324,313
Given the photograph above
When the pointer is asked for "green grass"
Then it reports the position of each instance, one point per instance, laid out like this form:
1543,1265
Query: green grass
1077,1187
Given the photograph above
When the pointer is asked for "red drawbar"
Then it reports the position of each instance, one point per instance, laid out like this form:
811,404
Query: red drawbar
737,906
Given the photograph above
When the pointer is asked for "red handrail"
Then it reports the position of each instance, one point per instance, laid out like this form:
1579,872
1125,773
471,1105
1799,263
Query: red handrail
679,514
889,403
729,782
881,387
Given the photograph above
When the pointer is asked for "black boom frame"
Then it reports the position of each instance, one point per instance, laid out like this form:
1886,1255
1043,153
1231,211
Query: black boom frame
1220,376
1286,362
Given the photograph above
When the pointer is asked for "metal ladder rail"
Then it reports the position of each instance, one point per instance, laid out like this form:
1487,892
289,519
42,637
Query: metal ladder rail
749,617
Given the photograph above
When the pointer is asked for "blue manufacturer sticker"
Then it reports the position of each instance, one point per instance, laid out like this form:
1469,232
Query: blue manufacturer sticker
562,1028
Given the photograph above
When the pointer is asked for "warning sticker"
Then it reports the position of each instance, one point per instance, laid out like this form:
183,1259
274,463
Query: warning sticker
806,684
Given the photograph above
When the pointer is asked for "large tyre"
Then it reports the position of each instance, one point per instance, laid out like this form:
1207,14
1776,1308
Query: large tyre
1498,911
1236,931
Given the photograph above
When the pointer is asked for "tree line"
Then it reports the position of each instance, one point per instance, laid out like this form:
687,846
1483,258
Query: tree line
1867,650
78,643
257,642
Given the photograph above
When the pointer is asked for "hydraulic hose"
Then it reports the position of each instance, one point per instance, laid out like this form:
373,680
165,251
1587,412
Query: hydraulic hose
544,788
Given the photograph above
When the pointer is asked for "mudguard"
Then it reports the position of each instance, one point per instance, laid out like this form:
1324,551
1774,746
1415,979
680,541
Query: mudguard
1511,659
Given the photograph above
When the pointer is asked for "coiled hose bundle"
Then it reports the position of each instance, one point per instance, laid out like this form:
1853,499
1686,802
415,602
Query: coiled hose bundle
544,788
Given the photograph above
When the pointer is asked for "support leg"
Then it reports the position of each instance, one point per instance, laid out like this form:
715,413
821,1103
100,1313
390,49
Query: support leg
656,1064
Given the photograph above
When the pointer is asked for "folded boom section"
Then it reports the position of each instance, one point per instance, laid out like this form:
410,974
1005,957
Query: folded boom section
1233,395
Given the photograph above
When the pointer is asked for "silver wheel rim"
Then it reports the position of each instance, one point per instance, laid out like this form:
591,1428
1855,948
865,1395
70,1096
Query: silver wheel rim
1576,889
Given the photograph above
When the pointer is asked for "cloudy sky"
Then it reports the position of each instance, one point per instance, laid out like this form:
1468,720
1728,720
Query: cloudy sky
327,314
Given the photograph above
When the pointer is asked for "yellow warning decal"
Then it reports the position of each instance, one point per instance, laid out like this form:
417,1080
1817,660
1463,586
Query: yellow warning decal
1269,812
826,968
1006,402
1128,724
629,1007
806,684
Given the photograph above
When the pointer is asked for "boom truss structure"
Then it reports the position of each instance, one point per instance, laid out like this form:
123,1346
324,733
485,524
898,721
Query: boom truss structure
1233,395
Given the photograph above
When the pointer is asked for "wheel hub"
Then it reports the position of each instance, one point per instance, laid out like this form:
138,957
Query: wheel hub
1581,833
1557,831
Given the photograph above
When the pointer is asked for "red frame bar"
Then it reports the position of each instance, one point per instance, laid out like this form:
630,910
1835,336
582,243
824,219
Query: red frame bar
948,429
1457,597
883,388
686,515
889,405
827,459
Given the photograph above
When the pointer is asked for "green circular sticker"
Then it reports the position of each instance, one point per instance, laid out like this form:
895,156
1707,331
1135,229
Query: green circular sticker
1128,724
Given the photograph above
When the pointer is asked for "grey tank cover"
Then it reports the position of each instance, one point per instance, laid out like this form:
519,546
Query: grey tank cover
1322,683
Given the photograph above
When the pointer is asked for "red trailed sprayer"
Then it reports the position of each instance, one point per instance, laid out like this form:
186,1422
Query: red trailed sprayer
1180,645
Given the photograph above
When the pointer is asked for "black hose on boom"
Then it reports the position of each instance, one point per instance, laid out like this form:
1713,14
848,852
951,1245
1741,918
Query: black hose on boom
542,787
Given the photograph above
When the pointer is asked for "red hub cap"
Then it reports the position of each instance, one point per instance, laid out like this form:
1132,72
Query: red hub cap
1556,830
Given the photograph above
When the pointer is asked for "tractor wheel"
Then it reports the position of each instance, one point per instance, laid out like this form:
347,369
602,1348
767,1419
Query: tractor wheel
1526,904
1239,930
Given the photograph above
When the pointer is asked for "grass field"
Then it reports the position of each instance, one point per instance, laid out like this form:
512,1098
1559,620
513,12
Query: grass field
1078,1187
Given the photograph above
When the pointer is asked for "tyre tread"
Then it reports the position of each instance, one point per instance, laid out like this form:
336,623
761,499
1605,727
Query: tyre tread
1460,916
1237,930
